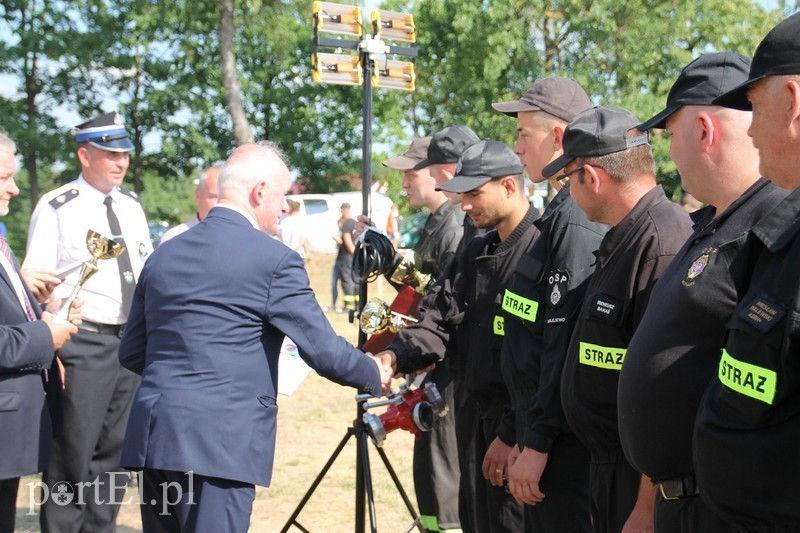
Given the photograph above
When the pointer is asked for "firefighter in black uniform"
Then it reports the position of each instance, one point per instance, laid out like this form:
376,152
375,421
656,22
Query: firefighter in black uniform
444,151
613,181
748,427
467,316
541,304
436,472
675,351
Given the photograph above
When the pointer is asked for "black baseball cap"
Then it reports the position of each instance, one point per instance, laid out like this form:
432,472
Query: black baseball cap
700,82
777,54
598,131
481,163
417,152
448,145
561,97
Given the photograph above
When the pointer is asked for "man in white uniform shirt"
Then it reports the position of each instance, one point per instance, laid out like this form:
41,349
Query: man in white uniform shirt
98,391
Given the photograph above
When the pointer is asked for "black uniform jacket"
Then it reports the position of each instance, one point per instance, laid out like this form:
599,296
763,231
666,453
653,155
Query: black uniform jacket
747,437
541,304
630,260
675,351
467,311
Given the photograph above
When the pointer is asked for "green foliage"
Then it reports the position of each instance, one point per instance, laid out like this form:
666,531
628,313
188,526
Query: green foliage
158,61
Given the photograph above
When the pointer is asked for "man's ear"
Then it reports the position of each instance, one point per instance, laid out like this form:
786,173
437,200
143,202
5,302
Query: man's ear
706,131
596,176
258,193
792,88
558,138
84,156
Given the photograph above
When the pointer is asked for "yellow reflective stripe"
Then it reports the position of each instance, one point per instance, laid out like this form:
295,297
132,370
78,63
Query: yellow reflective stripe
430,523
519,306
499,326
601,356
754,381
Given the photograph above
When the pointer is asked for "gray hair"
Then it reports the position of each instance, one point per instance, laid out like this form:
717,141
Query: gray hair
247,166
204,175
6,144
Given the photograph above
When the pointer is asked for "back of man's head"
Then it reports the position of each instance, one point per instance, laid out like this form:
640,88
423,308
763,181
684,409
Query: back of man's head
249,165
607,137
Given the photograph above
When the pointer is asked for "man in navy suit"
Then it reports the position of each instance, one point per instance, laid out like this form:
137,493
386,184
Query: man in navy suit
209,314
28,341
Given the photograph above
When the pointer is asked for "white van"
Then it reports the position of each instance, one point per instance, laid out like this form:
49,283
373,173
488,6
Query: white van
321,213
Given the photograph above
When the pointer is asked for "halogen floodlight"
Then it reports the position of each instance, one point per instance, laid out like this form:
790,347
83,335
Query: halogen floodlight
393,26
391,74
336,69
337,18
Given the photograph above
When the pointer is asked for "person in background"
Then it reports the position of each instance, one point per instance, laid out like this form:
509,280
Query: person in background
98,391
292,230
205,196
344,259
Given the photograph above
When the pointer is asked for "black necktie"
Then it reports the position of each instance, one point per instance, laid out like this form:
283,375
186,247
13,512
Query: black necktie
126,279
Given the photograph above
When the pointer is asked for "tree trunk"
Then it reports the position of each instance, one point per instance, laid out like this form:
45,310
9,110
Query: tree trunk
242,132
29,156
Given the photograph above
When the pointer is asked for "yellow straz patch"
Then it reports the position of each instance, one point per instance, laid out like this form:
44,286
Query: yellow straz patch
499,326
601,356
753,381
516,305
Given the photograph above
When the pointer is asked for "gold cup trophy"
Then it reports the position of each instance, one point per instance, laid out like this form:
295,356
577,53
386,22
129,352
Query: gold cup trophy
377,316
100,247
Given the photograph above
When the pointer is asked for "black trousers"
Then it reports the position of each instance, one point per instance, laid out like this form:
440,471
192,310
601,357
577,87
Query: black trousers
614,487
8,504
687,515
566,506
436,469
178,502
349,286
493,508
93,415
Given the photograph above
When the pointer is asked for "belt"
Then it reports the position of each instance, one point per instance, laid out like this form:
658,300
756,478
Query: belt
102,329
675,489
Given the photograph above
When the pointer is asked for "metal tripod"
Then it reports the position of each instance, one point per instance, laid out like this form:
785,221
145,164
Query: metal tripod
363,477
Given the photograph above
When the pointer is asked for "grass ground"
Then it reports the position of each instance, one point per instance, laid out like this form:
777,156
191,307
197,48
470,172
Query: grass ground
311,423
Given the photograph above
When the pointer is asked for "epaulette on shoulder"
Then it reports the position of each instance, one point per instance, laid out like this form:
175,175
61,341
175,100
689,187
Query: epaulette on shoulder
129,193
63,198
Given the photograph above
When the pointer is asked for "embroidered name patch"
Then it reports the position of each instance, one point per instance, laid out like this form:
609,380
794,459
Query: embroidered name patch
751,380
601,356
762,313
605,308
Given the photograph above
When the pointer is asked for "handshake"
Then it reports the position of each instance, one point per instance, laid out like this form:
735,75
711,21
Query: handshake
387,367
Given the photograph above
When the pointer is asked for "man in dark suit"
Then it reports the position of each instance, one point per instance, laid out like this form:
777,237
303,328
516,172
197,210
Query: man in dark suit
28,341
209,314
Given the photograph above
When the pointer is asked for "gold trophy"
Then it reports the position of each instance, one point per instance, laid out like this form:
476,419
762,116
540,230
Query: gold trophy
100,247
406,273
377,317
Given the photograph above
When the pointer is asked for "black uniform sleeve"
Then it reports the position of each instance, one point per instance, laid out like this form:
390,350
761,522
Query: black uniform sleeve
426,342
564,287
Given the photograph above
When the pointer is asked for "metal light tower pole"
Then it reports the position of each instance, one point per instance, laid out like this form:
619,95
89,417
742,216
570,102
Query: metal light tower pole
371,67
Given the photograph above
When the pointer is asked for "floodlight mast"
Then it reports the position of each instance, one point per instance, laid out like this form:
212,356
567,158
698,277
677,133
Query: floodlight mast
342,70
346,20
